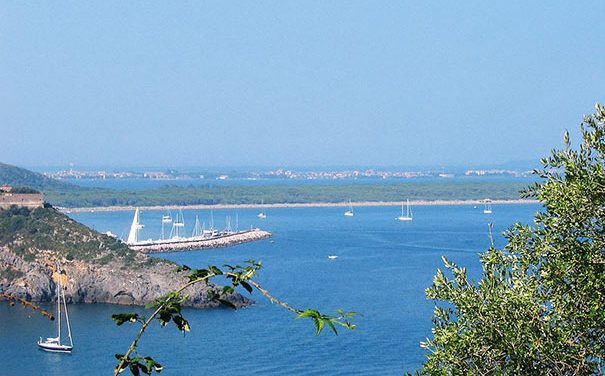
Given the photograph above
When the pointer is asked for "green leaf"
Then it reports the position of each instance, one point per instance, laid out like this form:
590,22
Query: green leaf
181,323
319,325
308,313
247,286
121,318
331,325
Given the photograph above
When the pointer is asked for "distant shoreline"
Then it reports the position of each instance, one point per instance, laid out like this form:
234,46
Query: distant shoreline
295,205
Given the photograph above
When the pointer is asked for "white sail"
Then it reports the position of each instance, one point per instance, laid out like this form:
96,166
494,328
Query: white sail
135,227
408,214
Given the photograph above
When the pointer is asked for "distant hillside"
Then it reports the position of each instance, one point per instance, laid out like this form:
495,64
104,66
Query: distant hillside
20,177
100,268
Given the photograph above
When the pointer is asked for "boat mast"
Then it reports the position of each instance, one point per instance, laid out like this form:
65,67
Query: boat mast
71,343
58,287
197,229
179,222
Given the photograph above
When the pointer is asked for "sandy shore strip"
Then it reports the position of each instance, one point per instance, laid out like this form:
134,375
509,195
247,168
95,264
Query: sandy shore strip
295,205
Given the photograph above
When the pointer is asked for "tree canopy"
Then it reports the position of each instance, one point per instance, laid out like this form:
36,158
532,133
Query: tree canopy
539,307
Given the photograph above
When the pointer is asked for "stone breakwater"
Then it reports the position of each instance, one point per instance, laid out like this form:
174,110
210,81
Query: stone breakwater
222,241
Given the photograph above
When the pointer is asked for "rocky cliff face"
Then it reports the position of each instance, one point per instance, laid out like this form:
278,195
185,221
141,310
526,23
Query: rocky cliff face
99,269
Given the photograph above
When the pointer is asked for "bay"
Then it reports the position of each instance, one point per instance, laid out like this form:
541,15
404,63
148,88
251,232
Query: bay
382,269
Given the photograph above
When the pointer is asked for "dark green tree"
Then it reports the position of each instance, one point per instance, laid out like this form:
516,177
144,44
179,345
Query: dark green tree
539,307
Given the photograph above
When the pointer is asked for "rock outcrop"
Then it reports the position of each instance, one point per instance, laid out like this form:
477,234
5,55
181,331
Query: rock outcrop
100,269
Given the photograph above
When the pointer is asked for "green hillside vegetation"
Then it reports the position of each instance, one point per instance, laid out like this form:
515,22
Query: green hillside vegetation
209,195
28,231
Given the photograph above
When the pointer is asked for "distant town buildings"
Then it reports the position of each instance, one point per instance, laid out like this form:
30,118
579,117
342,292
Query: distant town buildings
497,172
282,173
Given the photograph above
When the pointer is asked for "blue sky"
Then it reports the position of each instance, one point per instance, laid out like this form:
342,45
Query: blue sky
294,83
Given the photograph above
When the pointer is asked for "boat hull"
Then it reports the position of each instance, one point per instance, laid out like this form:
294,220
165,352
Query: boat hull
54,347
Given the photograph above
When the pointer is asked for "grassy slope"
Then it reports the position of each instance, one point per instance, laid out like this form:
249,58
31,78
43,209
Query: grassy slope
27,232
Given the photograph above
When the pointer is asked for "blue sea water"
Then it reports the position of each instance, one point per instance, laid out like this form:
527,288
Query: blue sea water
382,269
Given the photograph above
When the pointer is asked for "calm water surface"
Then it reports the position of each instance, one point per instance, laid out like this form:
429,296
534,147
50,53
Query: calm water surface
382,269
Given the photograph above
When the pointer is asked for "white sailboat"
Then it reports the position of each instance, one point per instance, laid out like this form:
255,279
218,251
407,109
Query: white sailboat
179,222
198,230
349,213
135,227
166,218
488,207
262,214
54,344
408,214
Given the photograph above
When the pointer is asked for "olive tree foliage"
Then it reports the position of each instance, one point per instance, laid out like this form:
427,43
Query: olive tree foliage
539,307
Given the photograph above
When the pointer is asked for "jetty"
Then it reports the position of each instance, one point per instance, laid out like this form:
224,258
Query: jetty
221,240
201,238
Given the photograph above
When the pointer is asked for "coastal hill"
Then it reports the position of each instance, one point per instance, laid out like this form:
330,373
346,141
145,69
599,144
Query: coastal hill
100,268
21,177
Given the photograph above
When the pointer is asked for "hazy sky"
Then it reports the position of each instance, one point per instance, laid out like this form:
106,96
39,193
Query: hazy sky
294,83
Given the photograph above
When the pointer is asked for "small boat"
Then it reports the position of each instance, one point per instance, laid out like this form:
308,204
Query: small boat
54,344
488,207
349,213
262,214
332,257
408,215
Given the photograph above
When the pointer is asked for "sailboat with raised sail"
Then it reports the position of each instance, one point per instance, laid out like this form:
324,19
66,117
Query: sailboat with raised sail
178,223
349,213
262,214
135,227
408,214
55,344
166,218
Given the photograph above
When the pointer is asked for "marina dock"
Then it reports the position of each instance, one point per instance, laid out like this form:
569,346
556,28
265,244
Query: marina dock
173,245
200,238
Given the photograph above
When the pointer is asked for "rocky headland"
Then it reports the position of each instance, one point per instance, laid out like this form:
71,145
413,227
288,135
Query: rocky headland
99,268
